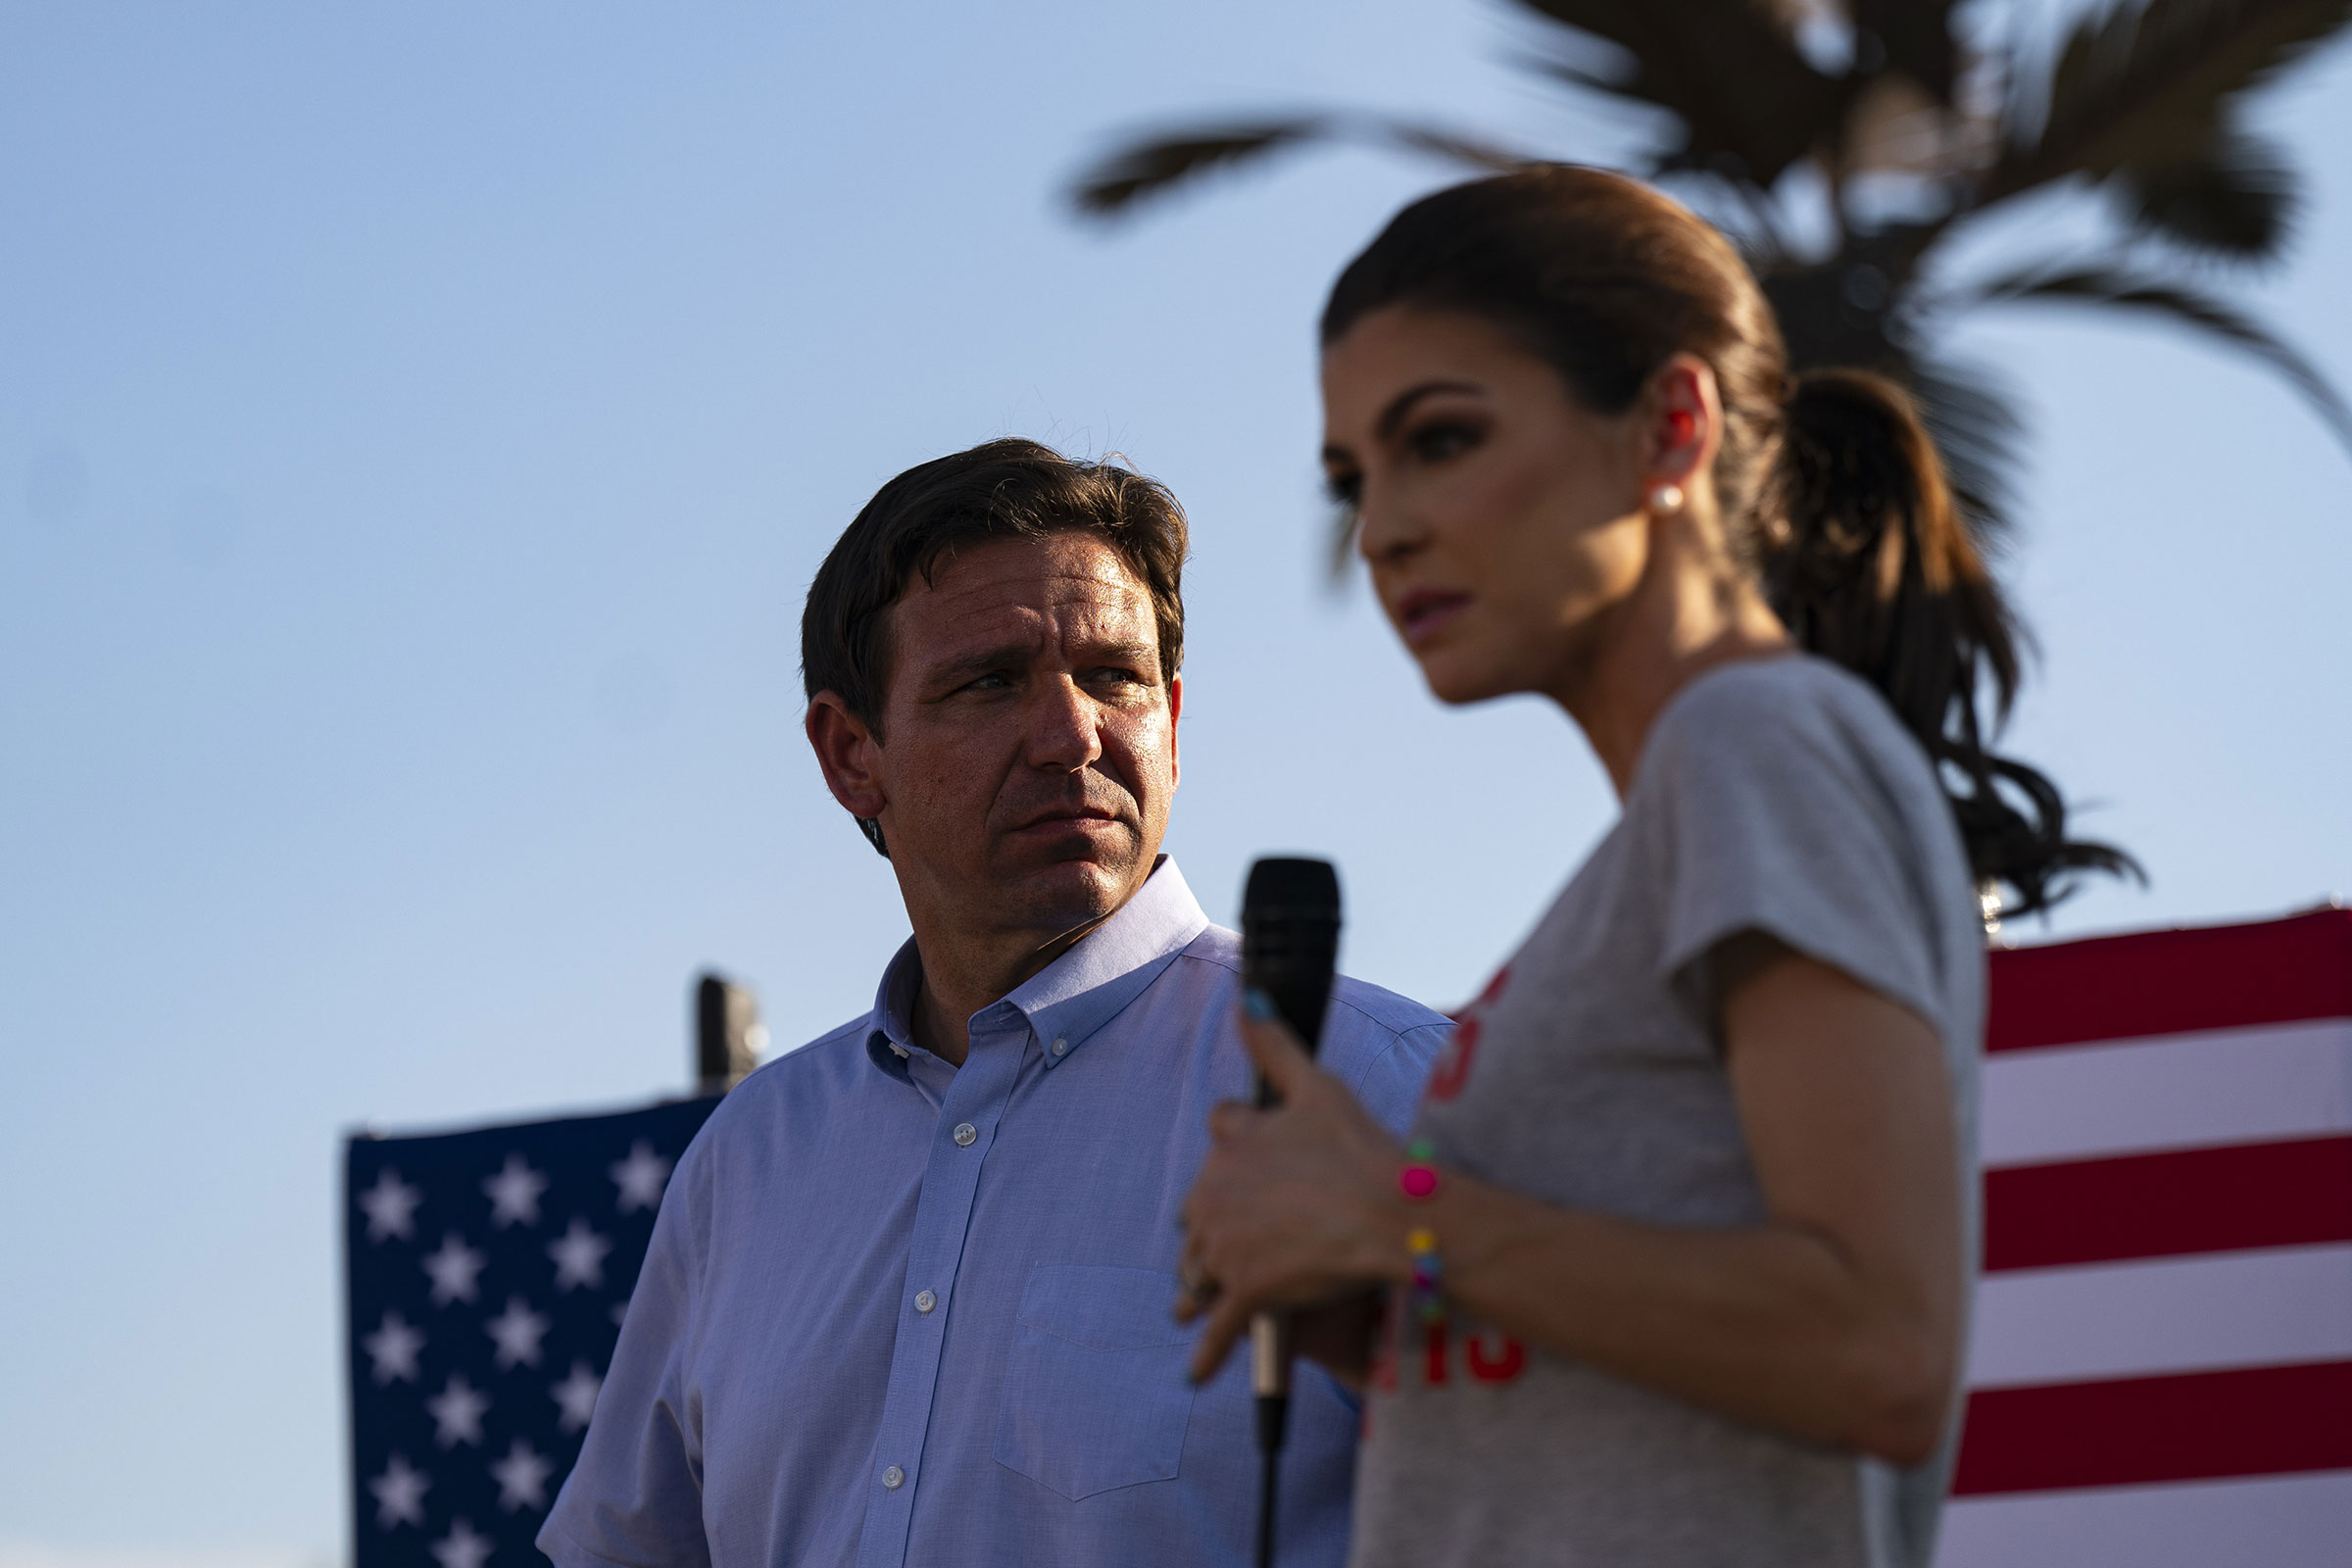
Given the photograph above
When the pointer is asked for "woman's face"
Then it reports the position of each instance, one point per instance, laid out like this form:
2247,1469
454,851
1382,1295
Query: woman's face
1502,520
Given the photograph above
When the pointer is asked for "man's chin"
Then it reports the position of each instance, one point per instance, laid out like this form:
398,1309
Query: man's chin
1065,894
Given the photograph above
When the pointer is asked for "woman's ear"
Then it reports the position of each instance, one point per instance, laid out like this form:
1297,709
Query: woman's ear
1680,422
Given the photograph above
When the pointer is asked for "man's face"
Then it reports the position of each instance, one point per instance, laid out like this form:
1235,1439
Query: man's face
1028,750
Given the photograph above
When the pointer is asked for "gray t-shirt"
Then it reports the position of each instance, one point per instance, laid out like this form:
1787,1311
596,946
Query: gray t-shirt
1777,796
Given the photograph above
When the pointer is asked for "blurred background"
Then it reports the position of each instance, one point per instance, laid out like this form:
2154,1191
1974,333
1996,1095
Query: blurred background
419,425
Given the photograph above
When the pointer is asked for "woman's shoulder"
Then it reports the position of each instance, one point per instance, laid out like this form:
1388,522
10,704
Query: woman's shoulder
1770,693
1792,712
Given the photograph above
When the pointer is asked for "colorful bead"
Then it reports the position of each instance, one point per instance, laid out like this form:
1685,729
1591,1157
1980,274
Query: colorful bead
1427,1299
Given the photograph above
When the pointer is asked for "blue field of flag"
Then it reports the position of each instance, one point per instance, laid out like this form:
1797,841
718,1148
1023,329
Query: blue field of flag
489,1271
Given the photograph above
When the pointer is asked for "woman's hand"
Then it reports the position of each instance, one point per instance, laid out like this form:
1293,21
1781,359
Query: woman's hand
1294,1205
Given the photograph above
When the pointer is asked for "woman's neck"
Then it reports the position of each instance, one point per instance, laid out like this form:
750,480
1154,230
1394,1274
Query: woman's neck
1681,622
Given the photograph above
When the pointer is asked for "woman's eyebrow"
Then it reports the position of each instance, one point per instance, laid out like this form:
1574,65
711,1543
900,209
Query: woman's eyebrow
1403,403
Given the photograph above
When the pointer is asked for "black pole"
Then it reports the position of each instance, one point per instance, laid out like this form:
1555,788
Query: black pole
727,1028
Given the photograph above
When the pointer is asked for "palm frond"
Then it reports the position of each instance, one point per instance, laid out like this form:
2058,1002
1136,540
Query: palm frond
1971,413
1728,71
1849,310
1912,37
2142,85
2120,289
2234,198
1154,166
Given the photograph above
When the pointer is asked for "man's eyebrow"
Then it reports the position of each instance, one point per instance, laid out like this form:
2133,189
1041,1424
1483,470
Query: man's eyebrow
1134,653
1005,654
981,661
1403,403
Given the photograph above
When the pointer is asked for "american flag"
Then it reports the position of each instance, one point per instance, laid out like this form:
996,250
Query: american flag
2162,1363
488,1274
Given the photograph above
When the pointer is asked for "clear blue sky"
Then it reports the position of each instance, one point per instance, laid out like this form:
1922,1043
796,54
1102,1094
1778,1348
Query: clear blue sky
418,424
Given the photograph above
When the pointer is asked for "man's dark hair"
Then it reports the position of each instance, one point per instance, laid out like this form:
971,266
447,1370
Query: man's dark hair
1002,489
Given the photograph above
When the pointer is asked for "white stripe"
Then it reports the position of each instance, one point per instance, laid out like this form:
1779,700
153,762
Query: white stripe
2226,1086
2180,1314
2273,1522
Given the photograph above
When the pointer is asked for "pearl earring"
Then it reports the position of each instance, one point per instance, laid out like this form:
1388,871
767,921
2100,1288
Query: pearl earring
1665,498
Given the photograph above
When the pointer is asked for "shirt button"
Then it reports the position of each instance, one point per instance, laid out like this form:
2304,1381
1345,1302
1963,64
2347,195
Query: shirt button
925,1301
894,1478
1062,1046
965,1132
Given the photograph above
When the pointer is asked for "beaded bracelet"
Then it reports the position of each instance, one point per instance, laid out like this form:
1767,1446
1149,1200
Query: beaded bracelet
1418,1181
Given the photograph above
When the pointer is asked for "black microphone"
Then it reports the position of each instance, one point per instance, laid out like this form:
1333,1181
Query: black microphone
1290,948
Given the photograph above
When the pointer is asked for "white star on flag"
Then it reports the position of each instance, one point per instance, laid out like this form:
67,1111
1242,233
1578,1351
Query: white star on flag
640,1178
514,1193
576,1396
580,1255
517,1331
454,1271
458,1413
391,1206
462,1547
393,1349
399,1495
522,1478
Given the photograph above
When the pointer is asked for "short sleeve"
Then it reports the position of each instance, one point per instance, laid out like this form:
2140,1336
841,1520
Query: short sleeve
635,1497
1773,807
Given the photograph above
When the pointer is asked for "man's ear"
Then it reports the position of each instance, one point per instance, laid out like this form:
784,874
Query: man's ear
1175,712
849,753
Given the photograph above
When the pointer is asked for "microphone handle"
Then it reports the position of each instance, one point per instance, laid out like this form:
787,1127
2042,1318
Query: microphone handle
1290,944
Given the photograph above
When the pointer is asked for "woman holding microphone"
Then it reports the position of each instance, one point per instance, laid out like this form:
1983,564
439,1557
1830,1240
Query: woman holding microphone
1676,1266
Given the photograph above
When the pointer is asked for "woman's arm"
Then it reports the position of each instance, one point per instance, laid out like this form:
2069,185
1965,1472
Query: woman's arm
1837,1320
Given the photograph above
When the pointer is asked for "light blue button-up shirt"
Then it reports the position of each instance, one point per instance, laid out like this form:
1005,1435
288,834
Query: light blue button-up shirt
899,1312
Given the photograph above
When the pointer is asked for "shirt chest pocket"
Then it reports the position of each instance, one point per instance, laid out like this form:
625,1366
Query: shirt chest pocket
1095,1388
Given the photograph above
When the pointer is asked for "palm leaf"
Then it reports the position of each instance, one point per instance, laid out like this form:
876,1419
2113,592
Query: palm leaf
2120,289
1971,413
2145,85
1728,71
2235,197
1154,166
1912,37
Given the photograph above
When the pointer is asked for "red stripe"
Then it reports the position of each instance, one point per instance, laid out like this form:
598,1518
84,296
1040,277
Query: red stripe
2289,1194
2171,982
2256,1421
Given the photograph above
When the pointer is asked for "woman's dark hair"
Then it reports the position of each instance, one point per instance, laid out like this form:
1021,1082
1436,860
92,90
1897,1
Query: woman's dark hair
1001,489
1829,483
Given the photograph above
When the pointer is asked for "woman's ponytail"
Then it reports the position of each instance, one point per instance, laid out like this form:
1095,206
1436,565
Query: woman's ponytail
1864,556
1833,489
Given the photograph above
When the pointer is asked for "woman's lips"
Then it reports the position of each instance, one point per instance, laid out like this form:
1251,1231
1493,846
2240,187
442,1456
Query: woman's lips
1426,611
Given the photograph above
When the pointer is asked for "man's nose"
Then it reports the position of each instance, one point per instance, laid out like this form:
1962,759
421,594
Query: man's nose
1064,731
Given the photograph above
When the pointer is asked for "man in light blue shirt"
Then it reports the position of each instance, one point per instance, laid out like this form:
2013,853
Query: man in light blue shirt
909,1300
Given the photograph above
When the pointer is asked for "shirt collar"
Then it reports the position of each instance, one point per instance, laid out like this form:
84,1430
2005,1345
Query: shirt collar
1067,1001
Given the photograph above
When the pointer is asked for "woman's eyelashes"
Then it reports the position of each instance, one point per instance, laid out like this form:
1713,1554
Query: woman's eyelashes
1439,440
1431,442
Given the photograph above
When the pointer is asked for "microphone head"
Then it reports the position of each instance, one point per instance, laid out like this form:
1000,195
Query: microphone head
1290,938
1283,883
